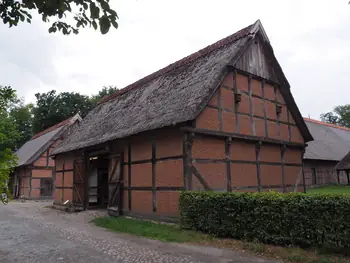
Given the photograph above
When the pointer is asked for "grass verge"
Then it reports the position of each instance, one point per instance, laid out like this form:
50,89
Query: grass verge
173,233
331,189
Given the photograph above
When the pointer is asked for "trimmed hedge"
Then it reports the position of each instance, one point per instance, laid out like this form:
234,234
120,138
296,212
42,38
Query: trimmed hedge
284,219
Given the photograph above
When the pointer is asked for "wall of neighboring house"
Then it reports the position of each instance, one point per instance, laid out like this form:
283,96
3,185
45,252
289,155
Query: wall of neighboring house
36,180
251,166
322,172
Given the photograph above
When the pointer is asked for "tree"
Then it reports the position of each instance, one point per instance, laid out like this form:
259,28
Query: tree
52,108
95,13
106,91
339,116
23,118
8,134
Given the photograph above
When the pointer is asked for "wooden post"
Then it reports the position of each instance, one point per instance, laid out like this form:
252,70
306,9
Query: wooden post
228,163
154,182
265,115
347,175
277,114
220,109
302,168
258,172
187,160
86,180
283,149
129,175
235,90
338,177
251,105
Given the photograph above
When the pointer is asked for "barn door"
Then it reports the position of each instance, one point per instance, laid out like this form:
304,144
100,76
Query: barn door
114,185
78,183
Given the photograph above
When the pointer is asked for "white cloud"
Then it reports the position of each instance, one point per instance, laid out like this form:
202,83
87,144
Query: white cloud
310,40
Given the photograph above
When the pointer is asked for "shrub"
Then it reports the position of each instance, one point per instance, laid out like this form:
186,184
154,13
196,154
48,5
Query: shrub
284,219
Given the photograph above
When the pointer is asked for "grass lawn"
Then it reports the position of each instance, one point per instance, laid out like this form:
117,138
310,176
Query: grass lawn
334,189
173,233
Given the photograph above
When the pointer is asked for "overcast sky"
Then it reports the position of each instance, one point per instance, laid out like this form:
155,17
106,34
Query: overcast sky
311,40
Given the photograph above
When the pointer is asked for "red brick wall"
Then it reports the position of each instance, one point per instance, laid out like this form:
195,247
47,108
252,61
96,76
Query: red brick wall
209,158
250,111
64,166
168,173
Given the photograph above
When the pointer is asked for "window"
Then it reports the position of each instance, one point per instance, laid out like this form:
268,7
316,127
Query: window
313,174
45,187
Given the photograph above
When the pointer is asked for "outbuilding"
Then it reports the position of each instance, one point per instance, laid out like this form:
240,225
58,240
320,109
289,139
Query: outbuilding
34,174
221,119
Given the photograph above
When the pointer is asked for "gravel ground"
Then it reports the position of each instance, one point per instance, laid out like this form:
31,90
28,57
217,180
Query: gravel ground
32,232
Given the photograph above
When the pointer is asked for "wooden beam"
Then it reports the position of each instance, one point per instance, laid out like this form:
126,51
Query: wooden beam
348,176
187,160
220,109
238,136
129,175
289,128
338,177
200,178
265,114
258,170
228,163
302,169
277,114
86,179
283,149
251,115
154,181
235,90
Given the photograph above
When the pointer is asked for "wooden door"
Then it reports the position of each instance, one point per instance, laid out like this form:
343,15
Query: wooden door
78,183
114,186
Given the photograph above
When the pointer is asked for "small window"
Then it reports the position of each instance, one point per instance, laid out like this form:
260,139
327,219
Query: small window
313,174
45,187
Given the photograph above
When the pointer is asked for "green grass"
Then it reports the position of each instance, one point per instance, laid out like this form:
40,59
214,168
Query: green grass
173,233
333,189
152,230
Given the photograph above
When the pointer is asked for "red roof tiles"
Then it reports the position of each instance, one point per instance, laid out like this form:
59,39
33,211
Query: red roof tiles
327,124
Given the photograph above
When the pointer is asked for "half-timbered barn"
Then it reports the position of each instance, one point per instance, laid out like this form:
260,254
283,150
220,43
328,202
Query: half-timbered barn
331,143
221,119
33,177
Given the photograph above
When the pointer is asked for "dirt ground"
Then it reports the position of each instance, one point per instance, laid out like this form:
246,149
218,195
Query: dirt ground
33,232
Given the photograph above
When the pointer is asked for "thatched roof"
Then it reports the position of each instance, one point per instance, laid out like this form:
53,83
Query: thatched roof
172,95
331,142
40,142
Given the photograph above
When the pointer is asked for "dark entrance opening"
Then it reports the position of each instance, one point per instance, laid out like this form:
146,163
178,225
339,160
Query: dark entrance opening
98,182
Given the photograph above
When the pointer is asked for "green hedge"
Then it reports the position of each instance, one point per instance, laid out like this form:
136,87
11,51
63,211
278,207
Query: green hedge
270,217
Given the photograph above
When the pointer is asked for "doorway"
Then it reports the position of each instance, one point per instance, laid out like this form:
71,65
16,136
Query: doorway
98,182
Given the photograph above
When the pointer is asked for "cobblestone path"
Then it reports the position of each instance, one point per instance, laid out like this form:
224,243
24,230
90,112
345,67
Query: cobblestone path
32,232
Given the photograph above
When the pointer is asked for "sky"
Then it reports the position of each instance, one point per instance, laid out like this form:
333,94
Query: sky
311,41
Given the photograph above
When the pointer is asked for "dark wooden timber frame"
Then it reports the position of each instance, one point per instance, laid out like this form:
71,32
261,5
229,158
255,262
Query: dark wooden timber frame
189,168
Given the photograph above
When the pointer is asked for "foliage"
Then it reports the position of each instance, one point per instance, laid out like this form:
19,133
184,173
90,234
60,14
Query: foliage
8,134
52,108
339,116
95,13
22,116
106,91
340,189
285,219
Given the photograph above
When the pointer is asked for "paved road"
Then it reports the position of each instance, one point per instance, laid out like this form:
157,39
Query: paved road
31,232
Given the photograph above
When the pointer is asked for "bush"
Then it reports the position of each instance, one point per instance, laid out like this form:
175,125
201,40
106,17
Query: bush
284,219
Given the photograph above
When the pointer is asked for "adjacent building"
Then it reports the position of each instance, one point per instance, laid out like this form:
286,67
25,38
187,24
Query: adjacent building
221,119
34,175
331,143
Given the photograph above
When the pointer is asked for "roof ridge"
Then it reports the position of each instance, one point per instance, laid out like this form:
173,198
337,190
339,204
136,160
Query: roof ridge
54,127
244,32
327,124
